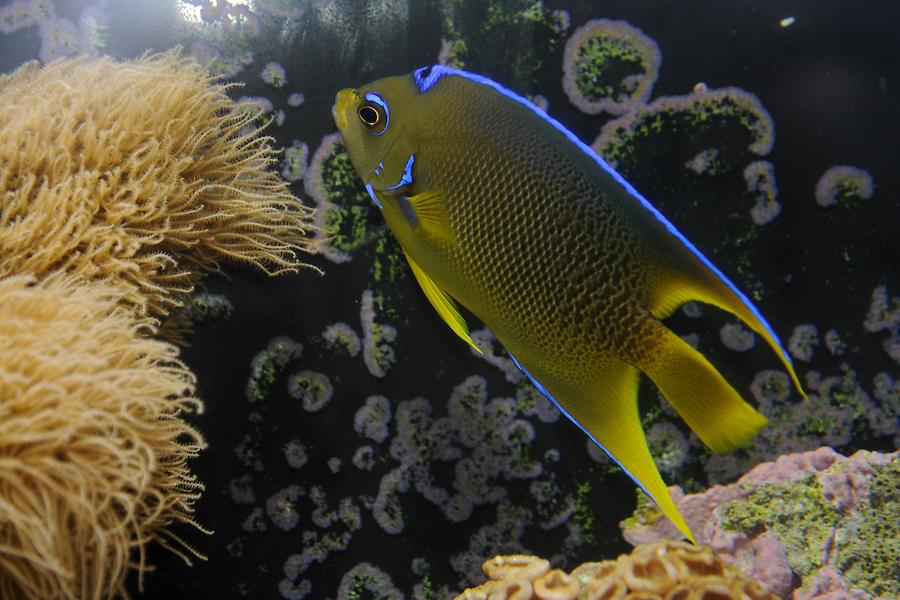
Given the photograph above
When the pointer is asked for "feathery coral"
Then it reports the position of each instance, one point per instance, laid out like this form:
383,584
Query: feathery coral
141,174
661,570
93,452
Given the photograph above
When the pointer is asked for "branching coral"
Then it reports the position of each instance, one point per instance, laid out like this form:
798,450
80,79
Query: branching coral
140,174
93,450
662,570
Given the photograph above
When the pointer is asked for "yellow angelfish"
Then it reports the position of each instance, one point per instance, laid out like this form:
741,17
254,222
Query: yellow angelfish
501,209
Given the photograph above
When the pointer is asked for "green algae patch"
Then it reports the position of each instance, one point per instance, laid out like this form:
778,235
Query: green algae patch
351,223
646,513
508,37
795,513
603,63
868,544
679,129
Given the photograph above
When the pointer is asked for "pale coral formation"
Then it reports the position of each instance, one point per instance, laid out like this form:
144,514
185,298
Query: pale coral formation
340,336
843,182
345,219
803,342
760,178
596,55
59,36
294,164
313,389
378,353
93,449
273,74
664,570
702,112
884,315
97,185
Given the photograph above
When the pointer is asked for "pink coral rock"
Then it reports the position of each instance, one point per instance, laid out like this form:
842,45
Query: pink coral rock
841,485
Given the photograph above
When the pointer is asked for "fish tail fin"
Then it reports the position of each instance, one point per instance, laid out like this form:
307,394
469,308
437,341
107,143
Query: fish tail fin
699,393
606,410
690,276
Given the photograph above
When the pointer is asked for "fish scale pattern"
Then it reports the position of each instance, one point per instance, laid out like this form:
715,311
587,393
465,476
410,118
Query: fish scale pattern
515,196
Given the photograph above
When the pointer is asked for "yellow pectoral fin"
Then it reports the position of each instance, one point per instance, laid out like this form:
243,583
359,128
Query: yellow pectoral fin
442,303
707,403
606,409
428,208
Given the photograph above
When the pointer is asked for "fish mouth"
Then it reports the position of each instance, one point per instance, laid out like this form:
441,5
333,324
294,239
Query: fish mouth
344,99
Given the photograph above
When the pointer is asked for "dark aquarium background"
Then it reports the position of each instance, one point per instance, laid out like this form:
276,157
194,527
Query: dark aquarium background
358,449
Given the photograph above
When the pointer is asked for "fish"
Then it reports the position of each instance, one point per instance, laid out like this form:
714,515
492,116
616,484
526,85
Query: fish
505,213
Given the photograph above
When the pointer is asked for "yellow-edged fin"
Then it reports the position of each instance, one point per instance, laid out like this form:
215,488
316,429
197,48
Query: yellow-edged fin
607,411
442,303
707,403
429,211
683,277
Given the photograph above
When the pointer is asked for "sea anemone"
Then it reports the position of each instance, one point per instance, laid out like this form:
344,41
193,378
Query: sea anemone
93,449
140,174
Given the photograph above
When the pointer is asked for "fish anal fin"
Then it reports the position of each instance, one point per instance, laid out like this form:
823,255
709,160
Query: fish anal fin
444,305
683,275
430,215
699,393
606,410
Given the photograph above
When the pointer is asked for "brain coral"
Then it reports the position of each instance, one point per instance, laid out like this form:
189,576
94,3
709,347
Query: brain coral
665,570
138,173
93,449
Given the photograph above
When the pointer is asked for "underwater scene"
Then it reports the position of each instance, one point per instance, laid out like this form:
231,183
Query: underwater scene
427,299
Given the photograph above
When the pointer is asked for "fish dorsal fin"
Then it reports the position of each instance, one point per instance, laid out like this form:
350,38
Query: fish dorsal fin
442,303
607,411
431,219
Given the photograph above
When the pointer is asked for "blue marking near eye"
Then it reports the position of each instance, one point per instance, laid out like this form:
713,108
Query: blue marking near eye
379,168
372,195
376,99
406,179
425,79
550,397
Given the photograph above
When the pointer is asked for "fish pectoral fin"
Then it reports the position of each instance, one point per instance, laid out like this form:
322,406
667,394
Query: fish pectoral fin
606,410
682,277
699,393
442,302
431,217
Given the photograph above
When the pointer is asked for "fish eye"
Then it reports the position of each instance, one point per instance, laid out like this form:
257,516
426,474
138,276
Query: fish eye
368,115
374,114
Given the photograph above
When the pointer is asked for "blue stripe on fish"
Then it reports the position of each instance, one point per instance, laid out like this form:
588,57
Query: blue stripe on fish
406,179
372,195
426,77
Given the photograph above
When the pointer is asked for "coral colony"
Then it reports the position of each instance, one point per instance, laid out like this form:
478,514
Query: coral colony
596,54
760,178
827,519
843,183
483,451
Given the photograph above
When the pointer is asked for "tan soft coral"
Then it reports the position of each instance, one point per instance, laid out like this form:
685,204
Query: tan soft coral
661,571
141,174
93,450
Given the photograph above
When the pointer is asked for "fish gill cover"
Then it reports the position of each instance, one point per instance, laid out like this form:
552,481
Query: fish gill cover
356,448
